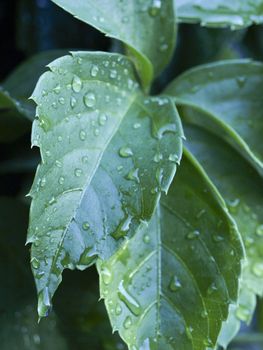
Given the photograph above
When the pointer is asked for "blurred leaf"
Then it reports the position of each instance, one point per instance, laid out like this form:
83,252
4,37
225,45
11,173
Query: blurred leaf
147,28
220,13
228,95
170,285
95,186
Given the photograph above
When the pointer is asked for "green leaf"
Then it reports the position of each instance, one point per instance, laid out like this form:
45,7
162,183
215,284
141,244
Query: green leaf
15,107
148,28
242,189
226,98
95,184
169,287
220,13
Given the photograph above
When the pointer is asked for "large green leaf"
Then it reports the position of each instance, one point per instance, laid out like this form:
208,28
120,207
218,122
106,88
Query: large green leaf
242,189
226,98
220,13
147,28
169,287
107,153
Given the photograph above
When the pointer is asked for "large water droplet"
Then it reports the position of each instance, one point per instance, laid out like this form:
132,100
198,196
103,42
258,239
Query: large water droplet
44,303
243,313
90,99
133,175
131,303
76,84
233,205
35,263
155,7
94,70
106,275
125,152
128,322
123,227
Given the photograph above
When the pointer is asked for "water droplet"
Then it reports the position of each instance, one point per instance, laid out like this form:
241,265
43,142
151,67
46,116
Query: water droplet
35,263
241,81
96,132
118,310
175,284
128,322
259,230
61,180
39,274
163,47
82,135
43,182
123,227
58,163
78,172
85,159
211,289
189,331
125,152
90,99
167,128
131,303
243,313
113,73
155,7
57,89
204,314
173,157
200,213
102,119
136,125
76,84
218,239
44,303
133,175
146,239
94,70
193,234
257,269
85,226
73,102
233,205
61,100
157,157
60,138
106,275
119,168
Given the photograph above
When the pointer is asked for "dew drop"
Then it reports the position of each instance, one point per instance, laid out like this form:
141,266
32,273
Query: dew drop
90,99
61,180
125,152
136,125
57,89
44,303
35,263
82,135
85,159
85,226
131,303
102,119
76,84
146,239
175,284
73,102
193,234
78,172
94,70
257,269
243,313
106,275
118,310
43,182
128,322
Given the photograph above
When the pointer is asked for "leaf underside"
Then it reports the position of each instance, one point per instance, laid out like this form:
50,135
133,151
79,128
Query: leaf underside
95,185
169,287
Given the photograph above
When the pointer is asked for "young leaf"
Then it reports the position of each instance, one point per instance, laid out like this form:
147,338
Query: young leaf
220,13
147,27
242,189
95,184
226,98
170,285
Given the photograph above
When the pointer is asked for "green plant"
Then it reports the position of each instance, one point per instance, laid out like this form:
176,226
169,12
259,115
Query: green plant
174,272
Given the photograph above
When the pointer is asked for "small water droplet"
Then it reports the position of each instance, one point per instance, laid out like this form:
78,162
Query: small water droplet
76,84
61,100
90,99
241,81
35,263
146,239
102,119
94,70
57,89
43,182
218,238
113,73
85,226
106,275
193,234
78,172
73,102
125,152
163,47
257,269
204,314
119,168
131,303
82,135
233,205
61,180
173,157
128,322
175,284
243,313
58,163
157,157
136,125
118,310
211,289
155,7
60,138
85,159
